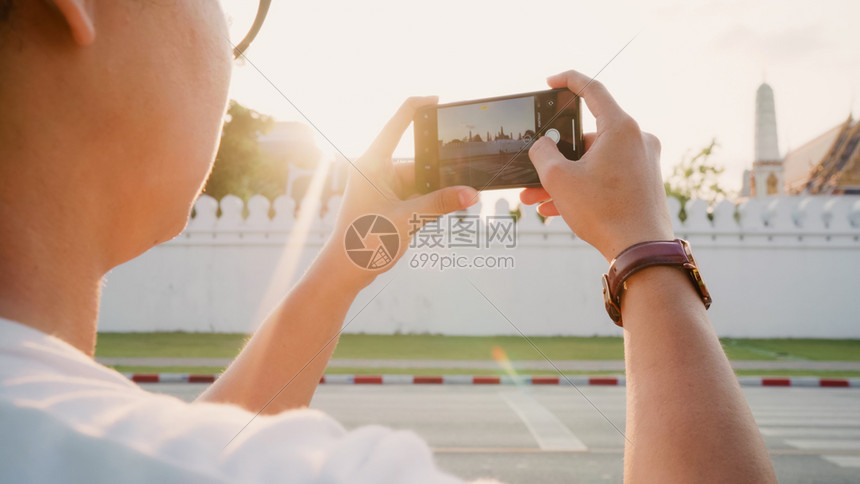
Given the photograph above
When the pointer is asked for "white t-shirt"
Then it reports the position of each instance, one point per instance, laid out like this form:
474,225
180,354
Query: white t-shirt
65,418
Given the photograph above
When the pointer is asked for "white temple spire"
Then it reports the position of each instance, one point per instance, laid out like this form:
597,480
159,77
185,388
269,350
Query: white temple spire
766,177
766,146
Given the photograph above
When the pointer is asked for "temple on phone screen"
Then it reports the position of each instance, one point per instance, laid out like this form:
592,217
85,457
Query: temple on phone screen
486,143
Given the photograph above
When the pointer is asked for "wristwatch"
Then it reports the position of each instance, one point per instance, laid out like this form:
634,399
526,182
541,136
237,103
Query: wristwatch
673,253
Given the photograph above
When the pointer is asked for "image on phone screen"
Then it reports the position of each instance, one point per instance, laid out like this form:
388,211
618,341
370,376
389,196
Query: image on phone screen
484,143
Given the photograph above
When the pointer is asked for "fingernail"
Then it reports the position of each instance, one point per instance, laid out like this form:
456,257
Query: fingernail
468,197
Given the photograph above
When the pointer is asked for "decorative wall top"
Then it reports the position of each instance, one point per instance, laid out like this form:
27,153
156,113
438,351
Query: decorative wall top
794,217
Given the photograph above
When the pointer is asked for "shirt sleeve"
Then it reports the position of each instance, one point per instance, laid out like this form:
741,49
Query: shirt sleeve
64,418
309,446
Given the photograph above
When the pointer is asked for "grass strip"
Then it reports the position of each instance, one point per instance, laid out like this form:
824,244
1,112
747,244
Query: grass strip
437,347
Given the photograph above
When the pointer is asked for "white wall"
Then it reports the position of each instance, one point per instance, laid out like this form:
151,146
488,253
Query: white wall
790,268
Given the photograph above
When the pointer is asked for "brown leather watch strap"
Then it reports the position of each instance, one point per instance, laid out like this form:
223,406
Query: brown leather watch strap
674,253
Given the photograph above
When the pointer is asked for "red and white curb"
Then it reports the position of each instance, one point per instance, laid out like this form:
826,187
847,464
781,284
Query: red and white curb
578,380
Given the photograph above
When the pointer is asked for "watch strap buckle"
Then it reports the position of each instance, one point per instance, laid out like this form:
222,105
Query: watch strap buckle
612,307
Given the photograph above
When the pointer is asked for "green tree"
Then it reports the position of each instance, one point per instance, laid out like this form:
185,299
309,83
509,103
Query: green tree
517,213
241,168
696,177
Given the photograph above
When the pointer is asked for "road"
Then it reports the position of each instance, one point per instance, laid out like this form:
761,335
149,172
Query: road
553,434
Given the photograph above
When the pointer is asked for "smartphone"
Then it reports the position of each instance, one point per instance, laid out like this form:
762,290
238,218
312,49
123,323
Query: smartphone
485,143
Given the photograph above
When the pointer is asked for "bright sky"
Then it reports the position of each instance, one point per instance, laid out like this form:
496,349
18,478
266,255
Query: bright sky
513,115
690,75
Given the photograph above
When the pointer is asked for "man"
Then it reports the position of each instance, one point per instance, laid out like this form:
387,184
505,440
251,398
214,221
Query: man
112,114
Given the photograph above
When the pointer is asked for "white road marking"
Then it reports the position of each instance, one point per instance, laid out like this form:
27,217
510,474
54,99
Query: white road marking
824,444
843,460
549,432
805,412
820,421
810,432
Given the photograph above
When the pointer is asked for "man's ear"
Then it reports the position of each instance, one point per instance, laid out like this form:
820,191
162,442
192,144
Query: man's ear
79,17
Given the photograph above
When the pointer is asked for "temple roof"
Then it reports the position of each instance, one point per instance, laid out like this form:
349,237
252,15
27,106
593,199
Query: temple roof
839,170
799,162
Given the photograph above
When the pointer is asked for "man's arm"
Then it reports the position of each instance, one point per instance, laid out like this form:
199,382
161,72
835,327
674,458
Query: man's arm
281,365
687,420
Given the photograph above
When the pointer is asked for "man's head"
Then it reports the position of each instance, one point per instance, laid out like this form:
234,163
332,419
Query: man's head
111,112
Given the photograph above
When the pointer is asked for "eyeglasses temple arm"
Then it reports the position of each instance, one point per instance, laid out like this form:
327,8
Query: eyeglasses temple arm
255,29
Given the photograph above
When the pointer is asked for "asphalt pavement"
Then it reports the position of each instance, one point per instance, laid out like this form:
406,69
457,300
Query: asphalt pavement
557,434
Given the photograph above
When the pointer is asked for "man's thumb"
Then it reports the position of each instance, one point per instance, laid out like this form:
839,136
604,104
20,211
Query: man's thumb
546,157
445,200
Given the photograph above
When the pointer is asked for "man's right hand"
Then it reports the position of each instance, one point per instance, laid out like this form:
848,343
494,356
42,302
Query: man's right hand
613,197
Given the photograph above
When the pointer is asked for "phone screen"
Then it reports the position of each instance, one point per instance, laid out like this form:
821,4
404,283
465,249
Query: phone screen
484,143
